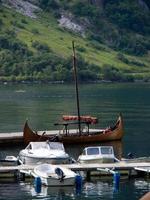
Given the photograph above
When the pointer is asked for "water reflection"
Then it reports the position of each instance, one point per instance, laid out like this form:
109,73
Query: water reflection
98,188
89,189
94,189
51,192
140,184
142,187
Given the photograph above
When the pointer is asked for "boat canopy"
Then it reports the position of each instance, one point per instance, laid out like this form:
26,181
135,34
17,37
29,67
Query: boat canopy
87,119
46,145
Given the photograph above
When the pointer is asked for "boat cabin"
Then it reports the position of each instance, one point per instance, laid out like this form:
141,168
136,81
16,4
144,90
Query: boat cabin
103,150
97,154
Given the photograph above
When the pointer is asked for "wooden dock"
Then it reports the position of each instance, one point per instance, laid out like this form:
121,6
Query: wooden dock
118,166
122,165
16,138
11,138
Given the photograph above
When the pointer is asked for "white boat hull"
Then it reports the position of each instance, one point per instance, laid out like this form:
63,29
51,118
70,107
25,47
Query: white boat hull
102,160
56,182
33,161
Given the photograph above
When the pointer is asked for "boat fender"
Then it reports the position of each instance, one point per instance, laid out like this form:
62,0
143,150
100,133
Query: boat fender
60,174
116,180
37,184
78,183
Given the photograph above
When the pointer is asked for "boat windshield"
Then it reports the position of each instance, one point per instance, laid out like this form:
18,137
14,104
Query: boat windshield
106,150
93,151
39,145
46,145
56,145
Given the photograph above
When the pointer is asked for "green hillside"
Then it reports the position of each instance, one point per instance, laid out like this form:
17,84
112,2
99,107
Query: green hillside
39,49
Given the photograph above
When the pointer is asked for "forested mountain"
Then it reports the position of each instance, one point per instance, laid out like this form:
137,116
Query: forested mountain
112,40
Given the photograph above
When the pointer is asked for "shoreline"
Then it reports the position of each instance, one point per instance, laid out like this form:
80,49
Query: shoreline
70,83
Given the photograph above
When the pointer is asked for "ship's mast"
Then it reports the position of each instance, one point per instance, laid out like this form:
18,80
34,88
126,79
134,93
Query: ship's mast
76,87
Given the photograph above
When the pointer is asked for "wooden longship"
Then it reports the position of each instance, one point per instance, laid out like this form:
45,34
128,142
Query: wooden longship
72,136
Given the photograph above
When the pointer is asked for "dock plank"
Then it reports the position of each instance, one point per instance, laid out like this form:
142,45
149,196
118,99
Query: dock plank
12,138
83,167
12,135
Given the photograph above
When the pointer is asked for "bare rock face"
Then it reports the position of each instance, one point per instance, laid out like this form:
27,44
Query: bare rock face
69,23
24,7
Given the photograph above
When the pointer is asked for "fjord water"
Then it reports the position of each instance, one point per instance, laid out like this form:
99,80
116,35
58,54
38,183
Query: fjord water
44,104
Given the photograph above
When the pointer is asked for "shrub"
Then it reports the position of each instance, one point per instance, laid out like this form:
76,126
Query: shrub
81,49
122,58
1,22
112,74
42,47
49,4
35,31
24,21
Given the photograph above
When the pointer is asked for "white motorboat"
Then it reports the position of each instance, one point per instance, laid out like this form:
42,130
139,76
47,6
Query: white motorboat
44,152
54,175
9,161
97,154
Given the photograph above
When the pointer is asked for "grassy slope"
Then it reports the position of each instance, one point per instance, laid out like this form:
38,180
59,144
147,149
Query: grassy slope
59,40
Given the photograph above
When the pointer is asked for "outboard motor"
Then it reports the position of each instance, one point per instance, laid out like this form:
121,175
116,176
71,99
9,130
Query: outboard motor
60,174
130,155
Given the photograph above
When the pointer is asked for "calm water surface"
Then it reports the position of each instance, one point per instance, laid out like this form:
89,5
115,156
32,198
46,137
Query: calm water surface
44,105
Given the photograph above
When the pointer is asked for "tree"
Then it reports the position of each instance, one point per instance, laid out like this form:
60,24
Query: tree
1,22
127,14
49,4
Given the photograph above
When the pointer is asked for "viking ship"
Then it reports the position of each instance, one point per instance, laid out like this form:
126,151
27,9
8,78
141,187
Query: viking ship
72,136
